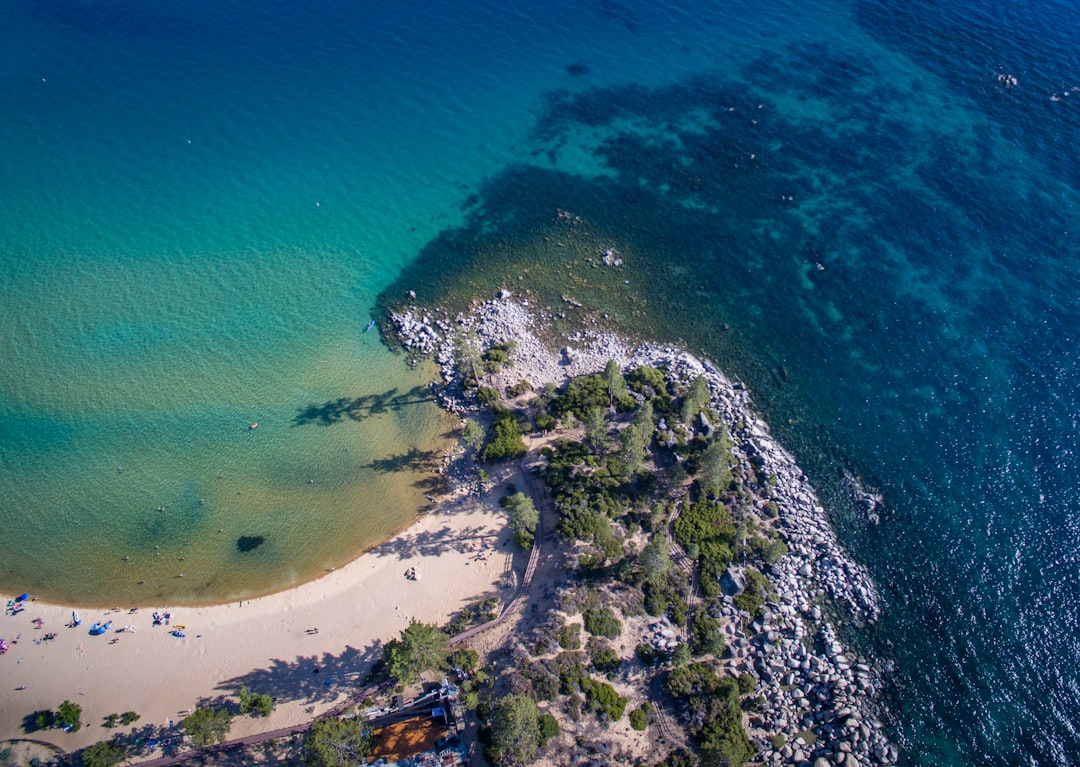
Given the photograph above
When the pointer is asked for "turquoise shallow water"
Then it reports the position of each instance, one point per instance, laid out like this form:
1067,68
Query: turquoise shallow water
201,204
839,202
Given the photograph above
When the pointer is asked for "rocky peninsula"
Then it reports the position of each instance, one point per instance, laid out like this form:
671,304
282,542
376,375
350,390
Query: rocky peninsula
813,700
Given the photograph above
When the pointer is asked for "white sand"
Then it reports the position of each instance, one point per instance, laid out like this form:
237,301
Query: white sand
265,643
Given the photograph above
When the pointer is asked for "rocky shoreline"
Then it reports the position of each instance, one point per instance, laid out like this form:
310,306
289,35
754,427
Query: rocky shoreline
805,677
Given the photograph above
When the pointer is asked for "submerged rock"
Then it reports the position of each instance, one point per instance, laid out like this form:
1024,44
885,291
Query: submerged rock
246,543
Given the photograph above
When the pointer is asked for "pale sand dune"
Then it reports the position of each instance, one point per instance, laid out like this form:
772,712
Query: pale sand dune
265,643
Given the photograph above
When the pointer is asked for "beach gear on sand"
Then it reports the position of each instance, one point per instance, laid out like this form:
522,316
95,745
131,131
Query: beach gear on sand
100,628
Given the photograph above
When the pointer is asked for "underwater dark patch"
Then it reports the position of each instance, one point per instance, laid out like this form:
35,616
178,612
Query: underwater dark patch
246,543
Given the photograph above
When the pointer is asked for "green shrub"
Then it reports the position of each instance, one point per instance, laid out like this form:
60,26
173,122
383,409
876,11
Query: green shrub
68,716
706,637
545,684
775,551
518,389
581,395
523,518
506,442
483,711
206,726
650,382
466,660
603,656
472,434
706,526
549,728
602,698
713,702
638,720
515,729
752,599
603,622
105,753
260,704
335,742
545,422
646,653
680,656
570,636
487,395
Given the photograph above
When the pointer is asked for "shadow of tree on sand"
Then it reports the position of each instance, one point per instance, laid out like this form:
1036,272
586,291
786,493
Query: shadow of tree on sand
433,543
359,408
148,738
310,679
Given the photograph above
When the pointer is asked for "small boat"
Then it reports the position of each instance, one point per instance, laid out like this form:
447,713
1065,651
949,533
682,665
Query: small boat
253,426
370,325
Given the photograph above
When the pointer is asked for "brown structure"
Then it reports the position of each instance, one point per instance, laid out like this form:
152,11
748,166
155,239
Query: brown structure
400,741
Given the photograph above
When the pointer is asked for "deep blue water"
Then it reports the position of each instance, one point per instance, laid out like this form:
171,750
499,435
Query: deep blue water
839,202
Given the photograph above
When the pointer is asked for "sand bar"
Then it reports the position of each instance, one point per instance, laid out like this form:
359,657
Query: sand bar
273,644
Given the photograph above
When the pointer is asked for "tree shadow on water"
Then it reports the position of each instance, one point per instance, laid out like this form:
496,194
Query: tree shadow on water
433,484
310,679
359,408
413,459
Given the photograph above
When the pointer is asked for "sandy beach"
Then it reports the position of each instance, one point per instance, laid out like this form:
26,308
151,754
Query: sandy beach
307,646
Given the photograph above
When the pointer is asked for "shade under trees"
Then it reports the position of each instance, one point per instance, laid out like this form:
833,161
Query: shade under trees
334,742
